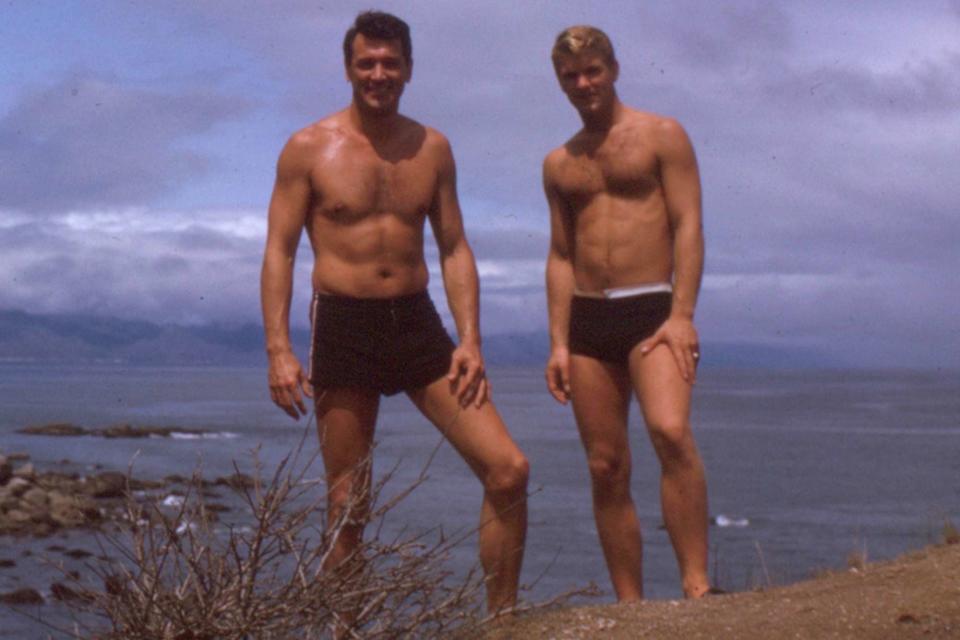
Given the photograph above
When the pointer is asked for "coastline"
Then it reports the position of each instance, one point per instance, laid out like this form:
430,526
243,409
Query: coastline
916,595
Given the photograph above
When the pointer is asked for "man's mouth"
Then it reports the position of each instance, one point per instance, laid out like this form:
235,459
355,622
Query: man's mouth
380,91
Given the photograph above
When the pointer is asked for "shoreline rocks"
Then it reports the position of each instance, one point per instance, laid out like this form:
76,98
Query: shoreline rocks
38,504
66,429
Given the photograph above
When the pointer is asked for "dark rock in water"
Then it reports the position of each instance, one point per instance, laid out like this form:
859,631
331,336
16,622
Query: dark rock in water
21,596
54,429
6,469
123,431
109,484
141,485
78,554
175,479
236,481
53,481
112,431
7,564
129,431
62,592
18,456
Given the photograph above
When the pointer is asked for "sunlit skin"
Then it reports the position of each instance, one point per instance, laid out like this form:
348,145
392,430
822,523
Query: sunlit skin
624,198
363,182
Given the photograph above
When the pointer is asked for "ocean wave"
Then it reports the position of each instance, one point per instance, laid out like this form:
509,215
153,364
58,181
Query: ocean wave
208,435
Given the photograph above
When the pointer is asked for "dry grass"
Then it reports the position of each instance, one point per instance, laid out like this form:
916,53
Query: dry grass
184,576
950,533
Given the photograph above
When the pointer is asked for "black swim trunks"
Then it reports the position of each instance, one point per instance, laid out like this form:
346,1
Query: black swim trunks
609,328
386,344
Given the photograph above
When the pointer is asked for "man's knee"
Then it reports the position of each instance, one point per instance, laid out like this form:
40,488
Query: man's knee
508,476
609,468
673,441
351,489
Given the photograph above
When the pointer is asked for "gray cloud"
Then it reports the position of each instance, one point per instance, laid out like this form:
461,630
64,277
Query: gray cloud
930,87
189,275
826,136
89,141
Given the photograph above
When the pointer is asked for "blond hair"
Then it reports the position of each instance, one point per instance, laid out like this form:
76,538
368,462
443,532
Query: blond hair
581,38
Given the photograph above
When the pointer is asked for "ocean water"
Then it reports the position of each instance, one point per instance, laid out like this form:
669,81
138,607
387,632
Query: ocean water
804,468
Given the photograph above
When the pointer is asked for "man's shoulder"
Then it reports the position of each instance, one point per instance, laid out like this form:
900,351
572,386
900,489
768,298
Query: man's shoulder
434,138
319,133
555,158
653,125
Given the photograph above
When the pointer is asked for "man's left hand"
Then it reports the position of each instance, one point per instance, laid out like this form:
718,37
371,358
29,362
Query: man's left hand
467,376
680,336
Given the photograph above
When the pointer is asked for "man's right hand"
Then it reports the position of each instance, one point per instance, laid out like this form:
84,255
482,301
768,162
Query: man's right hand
287,380
558,374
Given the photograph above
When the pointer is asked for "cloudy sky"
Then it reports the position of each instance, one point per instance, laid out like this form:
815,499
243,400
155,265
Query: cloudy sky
138,143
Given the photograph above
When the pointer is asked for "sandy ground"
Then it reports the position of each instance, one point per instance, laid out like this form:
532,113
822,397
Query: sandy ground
914,596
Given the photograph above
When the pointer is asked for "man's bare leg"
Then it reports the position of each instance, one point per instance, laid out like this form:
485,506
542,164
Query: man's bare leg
601,397
346,420
665,401
483,441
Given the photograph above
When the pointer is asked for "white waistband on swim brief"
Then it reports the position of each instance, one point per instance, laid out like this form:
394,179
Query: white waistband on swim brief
627,292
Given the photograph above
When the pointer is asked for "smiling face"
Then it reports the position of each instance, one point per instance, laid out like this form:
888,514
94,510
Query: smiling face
588,80
378,72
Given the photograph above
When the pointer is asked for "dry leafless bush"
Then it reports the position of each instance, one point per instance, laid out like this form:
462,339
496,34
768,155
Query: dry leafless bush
186,576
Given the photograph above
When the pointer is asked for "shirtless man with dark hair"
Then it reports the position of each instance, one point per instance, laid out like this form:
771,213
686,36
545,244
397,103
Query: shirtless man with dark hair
363,181
623,272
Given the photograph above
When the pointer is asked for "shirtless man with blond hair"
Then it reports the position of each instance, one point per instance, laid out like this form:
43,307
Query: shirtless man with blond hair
363,182
623,272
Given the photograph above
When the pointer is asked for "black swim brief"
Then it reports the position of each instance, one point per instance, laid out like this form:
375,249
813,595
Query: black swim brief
609,328
386,344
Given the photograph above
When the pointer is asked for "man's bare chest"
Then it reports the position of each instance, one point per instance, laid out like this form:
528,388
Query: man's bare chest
617,170
349,188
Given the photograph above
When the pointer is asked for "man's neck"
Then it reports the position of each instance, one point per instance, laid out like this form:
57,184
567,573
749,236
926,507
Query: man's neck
375,126
603,121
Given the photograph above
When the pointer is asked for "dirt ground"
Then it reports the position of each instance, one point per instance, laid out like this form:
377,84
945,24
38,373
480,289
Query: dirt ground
914,596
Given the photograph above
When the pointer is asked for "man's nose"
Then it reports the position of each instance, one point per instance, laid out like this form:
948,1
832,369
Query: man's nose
378,73
582,81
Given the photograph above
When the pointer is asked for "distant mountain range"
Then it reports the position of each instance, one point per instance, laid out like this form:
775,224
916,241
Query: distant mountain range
29,337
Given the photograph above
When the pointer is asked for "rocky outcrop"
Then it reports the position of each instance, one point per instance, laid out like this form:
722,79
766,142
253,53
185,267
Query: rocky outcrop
21,597
36,503
65,429
39,504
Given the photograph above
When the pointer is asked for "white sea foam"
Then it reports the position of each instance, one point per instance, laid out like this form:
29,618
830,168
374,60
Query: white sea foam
727,521
214,435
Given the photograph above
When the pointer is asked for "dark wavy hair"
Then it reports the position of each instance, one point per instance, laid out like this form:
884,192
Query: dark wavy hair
380,26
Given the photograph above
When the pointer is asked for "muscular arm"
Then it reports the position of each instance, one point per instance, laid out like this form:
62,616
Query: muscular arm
681,188
460,281
560,286
287,214
680,179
